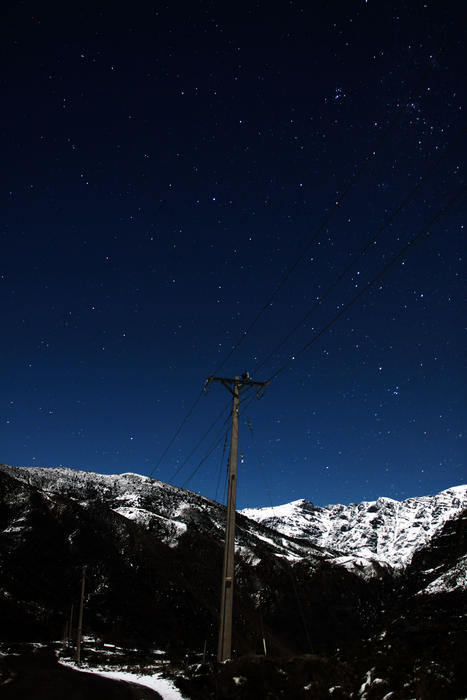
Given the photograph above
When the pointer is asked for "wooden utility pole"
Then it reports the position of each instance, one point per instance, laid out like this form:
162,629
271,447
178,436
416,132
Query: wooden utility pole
80,618
235,386
70,627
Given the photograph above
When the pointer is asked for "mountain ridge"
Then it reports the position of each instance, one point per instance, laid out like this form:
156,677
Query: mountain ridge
153,558
385,530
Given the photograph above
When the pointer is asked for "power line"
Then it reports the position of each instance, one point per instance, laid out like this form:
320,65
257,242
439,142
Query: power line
221,434
346,191
221,463
177,433
367,245
208,454
326,220
413,241
204,436
356,258
200,441
323,298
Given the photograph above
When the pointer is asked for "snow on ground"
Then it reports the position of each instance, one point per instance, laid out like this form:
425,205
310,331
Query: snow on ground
455,579
147,517
140,515
166,689
247,555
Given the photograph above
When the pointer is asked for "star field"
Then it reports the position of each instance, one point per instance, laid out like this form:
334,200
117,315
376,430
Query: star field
184,185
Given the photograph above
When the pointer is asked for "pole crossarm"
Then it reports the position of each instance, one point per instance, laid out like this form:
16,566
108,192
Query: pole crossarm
243,382
235,385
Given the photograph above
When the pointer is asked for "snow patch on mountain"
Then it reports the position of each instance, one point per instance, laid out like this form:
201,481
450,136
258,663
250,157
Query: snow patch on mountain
147,518
455,579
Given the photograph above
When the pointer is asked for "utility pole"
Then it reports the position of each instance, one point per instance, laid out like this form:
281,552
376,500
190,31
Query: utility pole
235,386
80,618
70,627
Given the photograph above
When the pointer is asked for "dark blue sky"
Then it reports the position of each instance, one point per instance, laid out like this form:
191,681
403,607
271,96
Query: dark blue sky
163,168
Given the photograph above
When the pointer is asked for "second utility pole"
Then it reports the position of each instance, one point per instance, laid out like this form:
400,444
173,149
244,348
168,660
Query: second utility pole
235,386
80,618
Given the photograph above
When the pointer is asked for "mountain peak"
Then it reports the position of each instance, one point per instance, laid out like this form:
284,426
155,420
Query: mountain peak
385,530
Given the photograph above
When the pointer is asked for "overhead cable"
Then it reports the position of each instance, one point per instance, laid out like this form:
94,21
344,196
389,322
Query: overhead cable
367,245
425,231
282,282
200,441
353,180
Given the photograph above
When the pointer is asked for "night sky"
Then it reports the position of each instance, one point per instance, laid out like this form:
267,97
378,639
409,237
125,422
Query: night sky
181,179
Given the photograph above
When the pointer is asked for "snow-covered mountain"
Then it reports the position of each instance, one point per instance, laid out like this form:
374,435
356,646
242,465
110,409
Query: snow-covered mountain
164,510
385,530
165,545
379,585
